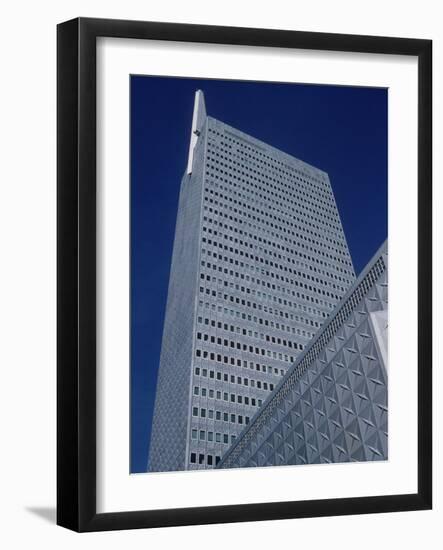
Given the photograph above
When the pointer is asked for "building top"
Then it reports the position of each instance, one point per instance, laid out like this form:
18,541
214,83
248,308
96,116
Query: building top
198,120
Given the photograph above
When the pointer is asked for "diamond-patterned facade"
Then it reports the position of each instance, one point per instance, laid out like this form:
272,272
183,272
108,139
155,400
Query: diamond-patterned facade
332,405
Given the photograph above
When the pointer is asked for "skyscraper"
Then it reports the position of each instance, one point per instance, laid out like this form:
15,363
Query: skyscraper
259,262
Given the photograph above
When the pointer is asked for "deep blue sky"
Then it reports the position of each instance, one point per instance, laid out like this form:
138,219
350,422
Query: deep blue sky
342,130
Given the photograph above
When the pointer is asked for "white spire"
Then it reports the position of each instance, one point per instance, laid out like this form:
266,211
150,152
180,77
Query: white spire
198,119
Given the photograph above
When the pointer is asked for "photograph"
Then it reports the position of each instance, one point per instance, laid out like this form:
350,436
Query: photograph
258,274
219,280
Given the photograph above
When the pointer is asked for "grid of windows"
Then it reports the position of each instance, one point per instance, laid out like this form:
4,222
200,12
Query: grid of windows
273,265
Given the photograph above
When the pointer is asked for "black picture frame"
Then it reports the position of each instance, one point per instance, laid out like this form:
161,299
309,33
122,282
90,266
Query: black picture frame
76,273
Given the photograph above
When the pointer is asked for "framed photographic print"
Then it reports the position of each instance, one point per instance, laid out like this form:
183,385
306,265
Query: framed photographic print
244,274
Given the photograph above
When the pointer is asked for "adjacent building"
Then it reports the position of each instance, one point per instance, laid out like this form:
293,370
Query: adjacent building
332,405
260,261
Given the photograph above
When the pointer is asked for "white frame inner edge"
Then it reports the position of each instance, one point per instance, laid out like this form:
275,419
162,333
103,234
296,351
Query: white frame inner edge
117,490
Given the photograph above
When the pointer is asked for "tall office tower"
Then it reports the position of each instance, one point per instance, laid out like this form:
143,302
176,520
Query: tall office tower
259,261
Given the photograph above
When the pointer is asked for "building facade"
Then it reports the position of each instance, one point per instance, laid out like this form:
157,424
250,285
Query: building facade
332,405
260,261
